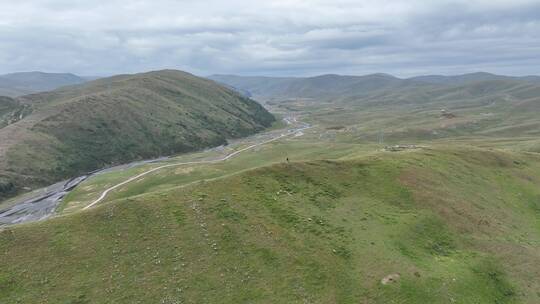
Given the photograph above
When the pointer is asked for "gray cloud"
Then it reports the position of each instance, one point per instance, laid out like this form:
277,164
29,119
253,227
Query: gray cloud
276,37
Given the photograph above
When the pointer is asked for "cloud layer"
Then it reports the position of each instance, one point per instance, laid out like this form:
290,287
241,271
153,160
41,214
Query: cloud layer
273,37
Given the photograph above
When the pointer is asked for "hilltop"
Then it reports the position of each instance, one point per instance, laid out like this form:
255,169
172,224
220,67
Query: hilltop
109,121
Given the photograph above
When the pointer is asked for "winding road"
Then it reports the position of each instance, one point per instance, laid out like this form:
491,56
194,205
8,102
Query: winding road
43,202
222,159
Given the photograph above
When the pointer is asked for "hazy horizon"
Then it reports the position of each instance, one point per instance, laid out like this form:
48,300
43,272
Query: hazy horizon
277,76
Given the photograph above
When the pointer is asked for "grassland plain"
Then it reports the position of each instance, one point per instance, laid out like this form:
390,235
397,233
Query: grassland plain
453,225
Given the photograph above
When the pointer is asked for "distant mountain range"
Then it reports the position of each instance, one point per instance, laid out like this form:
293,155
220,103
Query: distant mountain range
46,137
465,78
17,84
331,86
486,104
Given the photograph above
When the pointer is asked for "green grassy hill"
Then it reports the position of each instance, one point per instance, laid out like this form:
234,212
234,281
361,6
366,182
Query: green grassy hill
114,120
440,225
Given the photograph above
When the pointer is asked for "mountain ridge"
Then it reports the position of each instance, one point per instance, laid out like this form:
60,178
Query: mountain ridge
338,86
84,127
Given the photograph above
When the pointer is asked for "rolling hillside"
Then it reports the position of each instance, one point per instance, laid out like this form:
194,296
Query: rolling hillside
451,219
18,84
327,87
492,108
420,108
110,121
444,225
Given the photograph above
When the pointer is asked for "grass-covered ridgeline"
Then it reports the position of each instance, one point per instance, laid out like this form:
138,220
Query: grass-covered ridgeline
449,225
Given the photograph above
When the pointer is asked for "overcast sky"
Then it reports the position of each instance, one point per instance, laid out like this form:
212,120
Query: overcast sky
274,37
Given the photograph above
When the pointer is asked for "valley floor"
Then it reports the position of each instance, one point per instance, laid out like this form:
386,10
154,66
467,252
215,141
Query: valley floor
43,203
